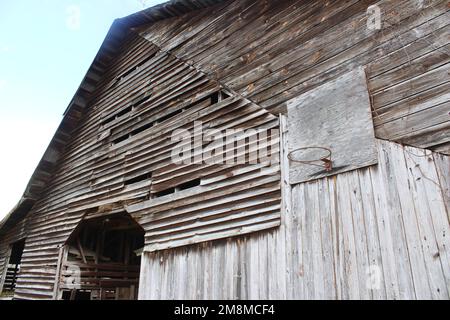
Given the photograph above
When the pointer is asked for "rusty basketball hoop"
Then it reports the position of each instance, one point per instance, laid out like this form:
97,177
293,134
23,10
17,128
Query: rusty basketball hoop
313,156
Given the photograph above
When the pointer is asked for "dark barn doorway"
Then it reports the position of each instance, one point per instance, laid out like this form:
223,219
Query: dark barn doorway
102,259
13,268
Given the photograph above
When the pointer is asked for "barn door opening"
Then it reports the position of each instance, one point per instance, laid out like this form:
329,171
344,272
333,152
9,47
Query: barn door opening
102,260
13,267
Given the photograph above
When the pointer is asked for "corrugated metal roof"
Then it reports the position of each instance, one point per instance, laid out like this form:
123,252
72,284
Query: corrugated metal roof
74,111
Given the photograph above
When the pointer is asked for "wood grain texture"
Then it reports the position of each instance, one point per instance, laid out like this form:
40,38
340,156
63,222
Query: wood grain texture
335,116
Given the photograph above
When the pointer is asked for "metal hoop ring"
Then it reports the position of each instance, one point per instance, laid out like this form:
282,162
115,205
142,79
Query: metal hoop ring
328,156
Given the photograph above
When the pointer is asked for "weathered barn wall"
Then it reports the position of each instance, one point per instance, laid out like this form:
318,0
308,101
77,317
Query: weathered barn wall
393,216
341,235
273,51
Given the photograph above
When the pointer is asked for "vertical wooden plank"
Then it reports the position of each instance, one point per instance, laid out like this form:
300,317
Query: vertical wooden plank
170,270
440,200
409,217
298,242
263,272
160,263
373,240
244,265
171,274
220,276
315,196
385,233
272,276
362,256
443,171
228,274
326,240
206,270
337,242
154,281
237,266
189,291
57,273
170,286
307,241
350,264
200,272
218,270
143,277
237,276
394,214
194,273
164,276
282,238
425,185
253,269
183,284
214,270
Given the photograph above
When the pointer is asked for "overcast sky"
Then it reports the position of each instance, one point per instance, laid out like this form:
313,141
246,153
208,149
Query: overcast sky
46,47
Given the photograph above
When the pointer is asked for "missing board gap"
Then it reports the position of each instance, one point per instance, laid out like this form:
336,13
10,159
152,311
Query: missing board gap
185,186
140,178
164,193
139,101
218,96
121,139
135,68
142,129
142,99
188,185
170,115
118,115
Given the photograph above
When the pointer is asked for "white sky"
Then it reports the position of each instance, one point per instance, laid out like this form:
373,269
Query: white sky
22,142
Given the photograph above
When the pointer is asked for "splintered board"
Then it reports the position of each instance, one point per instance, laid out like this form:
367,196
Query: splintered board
336,116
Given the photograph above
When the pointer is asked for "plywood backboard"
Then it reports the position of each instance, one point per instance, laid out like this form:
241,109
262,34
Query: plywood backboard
337,116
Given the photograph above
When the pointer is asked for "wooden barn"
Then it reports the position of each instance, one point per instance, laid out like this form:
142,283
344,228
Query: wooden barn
245,149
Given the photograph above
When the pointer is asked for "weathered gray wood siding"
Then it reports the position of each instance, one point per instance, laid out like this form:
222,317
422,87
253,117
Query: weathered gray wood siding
270,52
338,235
273,51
